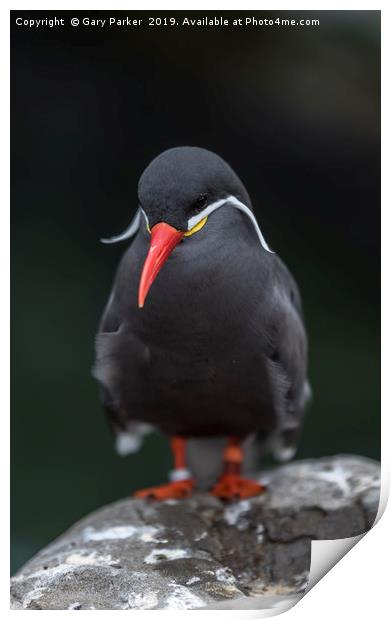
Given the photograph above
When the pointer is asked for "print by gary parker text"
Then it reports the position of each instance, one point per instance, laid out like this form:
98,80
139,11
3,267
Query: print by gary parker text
162,22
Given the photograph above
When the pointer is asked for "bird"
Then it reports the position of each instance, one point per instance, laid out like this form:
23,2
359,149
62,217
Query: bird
203,336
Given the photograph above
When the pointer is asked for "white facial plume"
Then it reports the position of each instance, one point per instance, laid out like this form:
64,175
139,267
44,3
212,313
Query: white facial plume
129,232
193,221
234,202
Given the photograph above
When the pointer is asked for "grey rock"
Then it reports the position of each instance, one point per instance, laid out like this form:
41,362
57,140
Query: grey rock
201,552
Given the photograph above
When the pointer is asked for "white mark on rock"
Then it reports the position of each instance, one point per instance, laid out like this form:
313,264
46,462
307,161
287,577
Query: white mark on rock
192,580
150,536
163,555
338,476
110,533
259,532
182,598
143,600
89,559
201,537
233,513
118,532
225,574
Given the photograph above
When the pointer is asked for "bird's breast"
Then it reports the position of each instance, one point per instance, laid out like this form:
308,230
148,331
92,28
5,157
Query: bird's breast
203,329
199,302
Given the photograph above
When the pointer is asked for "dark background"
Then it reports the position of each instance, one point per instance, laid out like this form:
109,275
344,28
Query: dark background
295,111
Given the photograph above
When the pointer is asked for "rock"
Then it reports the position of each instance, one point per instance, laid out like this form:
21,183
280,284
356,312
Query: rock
201,552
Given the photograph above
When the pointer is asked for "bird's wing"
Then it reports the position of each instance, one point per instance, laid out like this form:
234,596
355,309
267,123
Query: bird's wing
119,356
287,361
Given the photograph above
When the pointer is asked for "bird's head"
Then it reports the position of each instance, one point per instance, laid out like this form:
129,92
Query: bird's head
177,192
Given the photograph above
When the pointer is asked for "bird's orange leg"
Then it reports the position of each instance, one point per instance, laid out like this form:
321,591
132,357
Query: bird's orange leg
230,484
181,484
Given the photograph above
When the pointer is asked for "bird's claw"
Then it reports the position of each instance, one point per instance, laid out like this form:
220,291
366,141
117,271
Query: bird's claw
179,489
233,486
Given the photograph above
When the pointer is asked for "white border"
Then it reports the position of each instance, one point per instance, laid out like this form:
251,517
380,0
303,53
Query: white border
358,585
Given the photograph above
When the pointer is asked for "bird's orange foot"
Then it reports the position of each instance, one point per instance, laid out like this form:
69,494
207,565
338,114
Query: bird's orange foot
233,486
178,489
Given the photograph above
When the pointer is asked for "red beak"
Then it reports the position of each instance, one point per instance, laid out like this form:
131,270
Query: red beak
164,238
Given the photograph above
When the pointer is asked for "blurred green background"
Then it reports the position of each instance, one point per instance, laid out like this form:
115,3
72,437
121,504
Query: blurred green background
295,111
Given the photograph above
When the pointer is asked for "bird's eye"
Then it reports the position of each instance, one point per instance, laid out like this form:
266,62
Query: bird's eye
201,201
